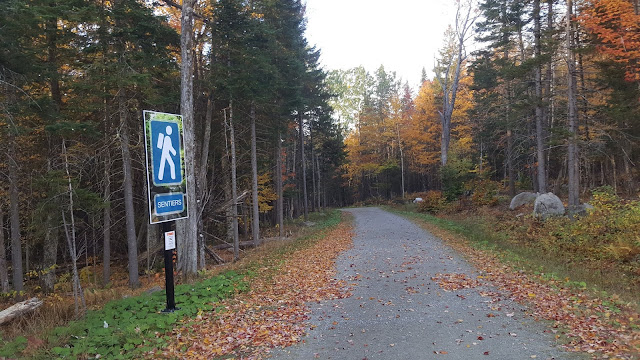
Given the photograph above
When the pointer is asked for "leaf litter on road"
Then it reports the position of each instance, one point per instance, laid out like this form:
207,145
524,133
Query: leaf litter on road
603,328
273,313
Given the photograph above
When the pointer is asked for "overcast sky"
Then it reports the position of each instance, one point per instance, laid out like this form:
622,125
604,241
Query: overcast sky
402,35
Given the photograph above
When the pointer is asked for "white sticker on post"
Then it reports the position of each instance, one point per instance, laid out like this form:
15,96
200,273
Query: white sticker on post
170,240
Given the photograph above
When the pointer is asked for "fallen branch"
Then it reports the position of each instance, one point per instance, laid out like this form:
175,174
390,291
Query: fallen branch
19,309
227,245
213,255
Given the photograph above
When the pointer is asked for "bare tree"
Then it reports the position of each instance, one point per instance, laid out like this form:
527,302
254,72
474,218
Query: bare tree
188,228
449,69
78,294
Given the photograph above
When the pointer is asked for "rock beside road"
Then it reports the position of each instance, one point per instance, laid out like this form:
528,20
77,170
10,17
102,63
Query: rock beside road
522,199
547,205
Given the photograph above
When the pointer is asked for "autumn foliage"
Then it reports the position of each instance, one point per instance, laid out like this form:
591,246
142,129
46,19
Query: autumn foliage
616,27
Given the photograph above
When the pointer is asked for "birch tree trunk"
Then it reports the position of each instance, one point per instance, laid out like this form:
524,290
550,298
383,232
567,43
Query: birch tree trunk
305,200
188,228
255,229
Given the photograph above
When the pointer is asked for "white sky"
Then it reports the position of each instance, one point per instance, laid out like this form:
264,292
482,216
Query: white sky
402,35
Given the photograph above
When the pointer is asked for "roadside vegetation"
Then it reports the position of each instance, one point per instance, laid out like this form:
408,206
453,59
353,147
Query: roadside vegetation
580,273
600,250
132,325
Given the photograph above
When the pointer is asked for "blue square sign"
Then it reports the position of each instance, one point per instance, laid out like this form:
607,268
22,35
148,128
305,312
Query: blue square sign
165,167
165,156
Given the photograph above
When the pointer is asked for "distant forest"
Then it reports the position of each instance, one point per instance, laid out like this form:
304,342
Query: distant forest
548,101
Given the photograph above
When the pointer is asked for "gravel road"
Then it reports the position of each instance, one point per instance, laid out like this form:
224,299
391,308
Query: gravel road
398,312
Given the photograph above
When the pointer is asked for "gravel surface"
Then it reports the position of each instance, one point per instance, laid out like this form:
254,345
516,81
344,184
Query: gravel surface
398,312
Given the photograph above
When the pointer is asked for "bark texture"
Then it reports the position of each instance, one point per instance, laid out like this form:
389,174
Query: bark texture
188,228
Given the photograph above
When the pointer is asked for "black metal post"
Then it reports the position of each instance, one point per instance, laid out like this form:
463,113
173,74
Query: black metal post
168,270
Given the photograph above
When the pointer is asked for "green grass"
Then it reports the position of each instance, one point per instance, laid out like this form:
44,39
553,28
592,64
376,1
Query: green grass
125,328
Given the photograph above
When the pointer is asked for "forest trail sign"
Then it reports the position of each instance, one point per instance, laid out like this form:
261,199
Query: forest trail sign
165,167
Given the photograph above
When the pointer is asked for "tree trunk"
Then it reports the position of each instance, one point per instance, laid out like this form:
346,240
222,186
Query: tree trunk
305,200
19,309
202,180
540,157
14,213
127,169
573,162
50,249
402,159
510,171
319,183
188,228
445,139
50,255
279,190
78,294
226,171
255,228
314,190
464,22
4,273
234,188
106,221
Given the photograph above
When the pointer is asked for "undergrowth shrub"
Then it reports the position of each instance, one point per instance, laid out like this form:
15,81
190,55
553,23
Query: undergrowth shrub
610,232
484,192
433,202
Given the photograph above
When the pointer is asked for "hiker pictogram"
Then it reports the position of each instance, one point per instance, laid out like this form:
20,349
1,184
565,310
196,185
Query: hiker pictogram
167,167
165,143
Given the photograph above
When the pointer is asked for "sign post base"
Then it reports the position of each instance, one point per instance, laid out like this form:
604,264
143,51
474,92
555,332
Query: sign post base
168,270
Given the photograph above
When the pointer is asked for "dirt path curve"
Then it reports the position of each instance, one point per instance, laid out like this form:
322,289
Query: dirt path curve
398,311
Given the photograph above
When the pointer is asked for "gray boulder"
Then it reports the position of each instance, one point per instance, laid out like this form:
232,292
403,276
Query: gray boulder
548,205
522,199
418,200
